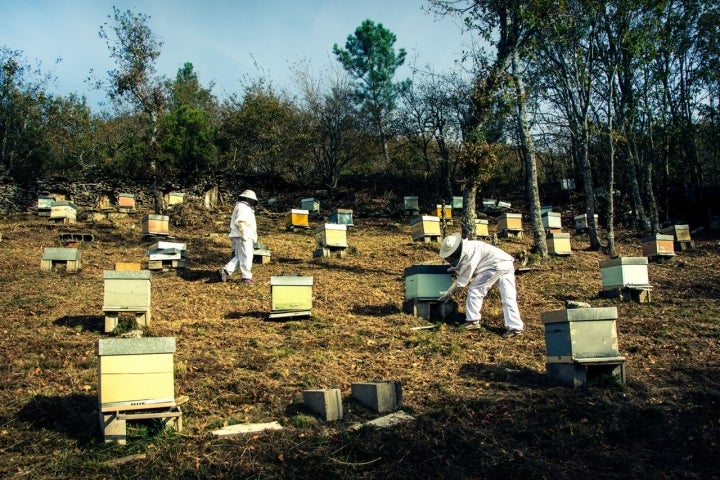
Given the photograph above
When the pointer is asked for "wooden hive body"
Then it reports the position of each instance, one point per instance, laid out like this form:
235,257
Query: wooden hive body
581,333
426,282
423,226
623,272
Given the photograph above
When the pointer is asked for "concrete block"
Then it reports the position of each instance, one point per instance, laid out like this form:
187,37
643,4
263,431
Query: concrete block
379,396
325,403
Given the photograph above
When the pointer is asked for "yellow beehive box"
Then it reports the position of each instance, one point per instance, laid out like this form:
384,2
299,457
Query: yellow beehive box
681,233
658,245
297,218
439,211
126,200
424,226
509,222
175,198
481,228
128,266
135,373
291,293
153,224
331,235
558,243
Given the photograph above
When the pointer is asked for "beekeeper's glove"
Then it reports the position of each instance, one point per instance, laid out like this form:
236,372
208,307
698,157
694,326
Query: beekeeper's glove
445,297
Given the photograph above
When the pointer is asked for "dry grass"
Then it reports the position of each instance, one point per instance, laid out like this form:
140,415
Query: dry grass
482,404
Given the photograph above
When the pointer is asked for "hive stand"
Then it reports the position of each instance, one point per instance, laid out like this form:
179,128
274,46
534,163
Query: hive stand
261,253
430,310
113,425
578,373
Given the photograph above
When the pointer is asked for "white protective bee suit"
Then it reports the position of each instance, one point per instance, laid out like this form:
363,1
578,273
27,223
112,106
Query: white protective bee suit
243,235
479,267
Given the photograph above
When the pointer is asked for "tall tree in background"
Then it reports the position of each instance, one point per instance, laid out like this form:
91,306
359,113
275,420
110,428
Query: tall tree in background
134,49
369,57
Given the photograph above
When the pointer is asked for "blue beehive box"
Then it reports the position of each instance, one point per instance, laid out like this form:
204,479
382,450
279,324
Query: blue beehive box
426,282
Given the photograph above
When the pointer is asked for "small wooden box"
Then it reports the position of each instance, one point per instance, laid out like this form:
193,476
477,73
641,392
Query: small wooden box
135,373
63,209
580,333
623,272
342,216
481,228
457,203
127,290
310,204
411,203
581,222
291,293
297,218
45,202
658,245
154,224
425,226
681,233
128,266
558,243
552,220
426,282
439,211
509,222
70,257
331,235
126,200
175,198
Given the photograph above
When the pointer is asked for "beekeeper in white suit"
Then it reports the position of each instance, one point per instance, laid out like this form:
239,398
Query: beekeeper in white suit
243,234
479,266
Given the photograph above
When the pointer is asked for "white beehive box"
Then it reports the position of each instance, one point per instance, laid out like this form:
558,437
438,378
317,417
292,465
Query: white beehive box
290,295
552,220
426,282
127,290
624,272
331,235
581,222
64,210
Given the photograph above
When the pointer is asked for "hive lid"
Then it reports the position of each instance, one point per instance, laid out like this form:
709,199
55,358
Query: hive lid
292,280
167,245
331,226
299,211
154,216
126,274
580,314
135,346
651,238
425,269
612,262
57,253
424,218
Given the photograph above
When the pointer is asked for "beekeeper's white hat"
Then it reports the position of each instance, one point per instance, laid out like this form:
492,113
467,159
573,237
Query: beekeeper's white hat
248,195
450,245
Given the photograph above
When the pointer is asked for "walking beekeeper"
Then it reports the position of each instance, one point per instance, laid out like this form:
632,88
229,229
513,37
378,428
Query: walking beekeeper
479,266
243,234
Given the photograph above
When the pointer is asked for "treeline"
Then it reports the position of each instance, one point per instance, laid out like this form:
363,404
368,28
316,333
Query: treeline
621,97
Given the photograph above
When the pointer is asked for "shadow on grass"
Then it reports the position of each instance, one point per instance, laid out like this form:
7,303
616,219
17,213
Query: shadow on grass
503,372
89,323
240,315
376,310
209,276
73,415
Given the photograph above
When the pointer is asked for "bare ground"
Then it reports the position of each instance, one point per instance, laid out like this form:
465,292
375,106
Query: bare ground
482,405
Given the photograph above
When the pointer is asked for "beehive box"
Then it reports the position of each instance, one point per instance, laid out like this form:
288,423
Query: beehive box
342,216
558,243
153,224
128,266
310,204
623,272
70,257
126,200
175,198
291,293
411,203
424,226
426,282
44,203
581,222
297,218
481,228
552,220
331,235
167,251
447,211
681,233
457,203
127,290
135,373
658,245
261,253
581,333
509,222
63,210
545,208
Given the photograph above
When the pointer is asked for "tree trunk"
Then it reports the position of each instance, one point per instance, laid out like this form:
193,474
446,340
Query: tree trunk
467,225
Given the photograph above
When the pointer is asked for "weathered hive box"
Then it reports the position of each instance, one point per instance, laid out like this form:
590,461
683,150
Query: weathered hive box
167,251
342,216
581,222
175,198
544,209
481,228
126,200
581,333
552,220
63,209
70,257
509,222
446,212
658,245
44,203
411,204
297,218
135,373
558,243
310,204
457,203
424,226
261,253
681,233
623,272
291,294
127,290
153,224
426,282
331,235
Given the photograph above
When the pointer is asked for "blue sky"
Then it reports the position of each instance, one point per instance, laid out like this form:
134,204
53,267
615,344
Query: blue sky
225,41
